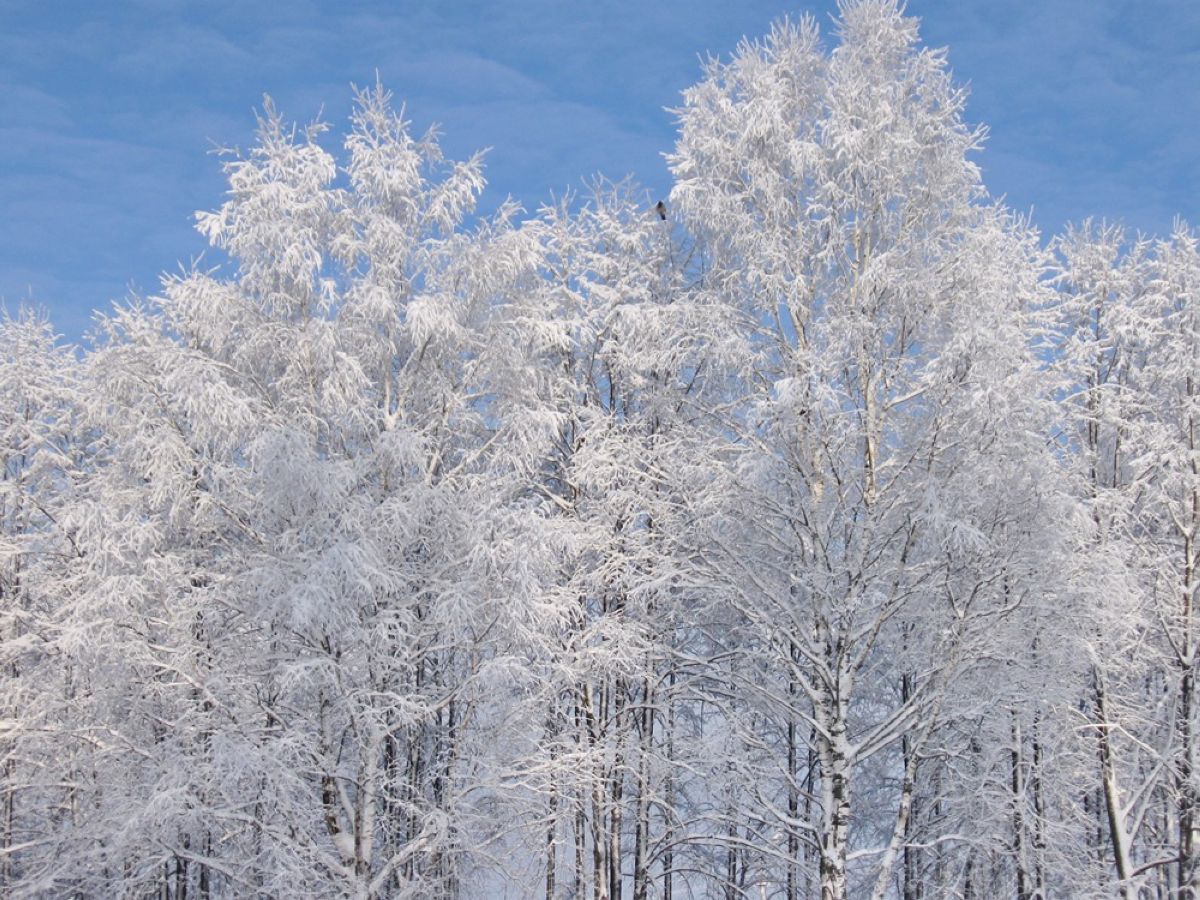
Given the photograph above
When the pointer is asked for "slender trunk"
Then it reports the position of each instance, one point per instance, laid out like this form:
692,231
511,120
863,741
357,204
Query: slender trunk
181,877
911,888
641,844
835,797
365,810
448,856
599,864
1017,787
668,858
731,857
1189,874
580,802
793,801
8,839
1116,824
205,881
201,634
599,793
883,880
1039,812
617,782
811,854
552,828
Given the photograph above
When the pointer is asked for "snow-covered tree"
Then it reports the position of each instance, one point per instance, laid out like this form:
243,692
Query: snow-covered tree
1128,355
614,347
818,532
43,453
889,498
289,589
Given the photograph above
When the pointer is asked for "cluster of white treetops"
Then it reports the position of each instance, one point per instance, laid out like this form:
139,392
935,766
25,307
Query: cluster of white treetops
835,537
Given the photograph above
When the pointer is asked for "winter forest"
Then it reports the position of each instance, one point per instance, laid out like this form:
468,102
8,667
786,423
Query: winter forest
825,533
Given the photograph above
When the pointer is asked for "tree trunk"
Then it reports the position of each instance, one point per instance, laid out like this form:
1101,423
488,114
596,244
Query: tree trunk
793,801
668,863
641,843
835,797
551,732
1112,804
580,802
1017,786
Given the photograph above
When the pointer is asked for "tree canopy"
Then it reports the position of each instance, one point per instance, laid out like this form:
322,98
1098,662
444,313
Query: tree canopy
816,531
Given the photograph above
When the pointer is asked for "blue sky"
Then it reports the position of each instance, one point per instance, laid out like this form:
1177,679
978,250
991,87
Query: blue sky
108,109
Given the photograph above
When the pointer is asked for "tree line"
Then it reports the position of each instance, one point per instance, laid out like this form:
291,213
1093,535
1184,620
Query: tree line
823,533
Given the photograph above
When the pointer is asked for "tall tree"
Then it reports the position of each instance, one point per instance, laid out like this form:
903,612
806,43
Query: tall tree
886,384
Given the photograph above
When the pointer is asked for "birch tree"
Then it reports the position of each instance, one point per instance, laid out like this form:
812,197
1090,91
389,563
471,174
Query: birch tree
886,380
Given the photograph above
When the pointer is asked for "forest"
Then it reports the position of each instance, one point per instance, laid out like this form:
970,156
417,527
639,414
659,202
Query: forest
827,532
